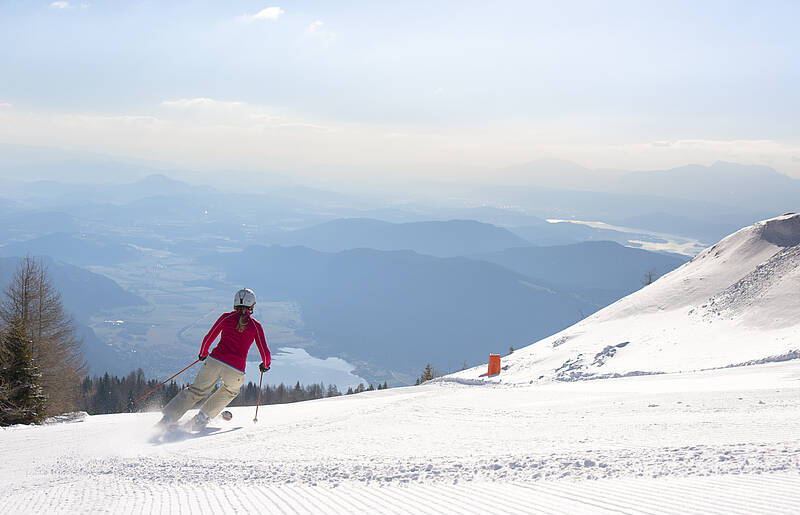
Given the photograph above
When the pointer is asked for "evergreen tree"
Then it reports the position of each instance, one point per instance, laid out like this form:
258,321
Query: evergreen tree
297,393
33,302
427,374
333,391
21,398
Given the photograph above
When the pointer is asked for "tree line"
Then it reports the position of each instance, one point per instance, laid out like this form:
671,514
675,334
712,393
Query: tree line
108,394
111,394
41,358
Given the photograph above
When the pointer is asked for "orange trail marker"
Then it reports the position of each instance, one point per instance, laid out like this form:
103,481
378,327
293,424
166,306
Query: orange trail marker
494,364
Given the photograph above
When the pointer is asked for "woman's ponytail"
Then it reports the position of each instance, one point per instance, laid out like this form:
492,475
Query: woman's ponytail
244,318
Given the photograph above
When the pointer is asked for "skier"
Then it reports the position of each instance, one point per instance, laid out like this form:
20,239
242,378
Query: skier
239,329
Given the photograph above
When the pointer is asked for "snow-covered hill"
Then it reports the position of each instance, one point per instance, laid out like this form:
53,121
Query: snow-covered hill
735,303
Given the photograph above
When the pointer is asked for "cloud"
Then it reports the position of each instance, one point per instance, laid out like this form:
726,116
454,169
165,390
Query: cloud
317,31
314,27
209,111
189,103
60,5
4,105
303,125
270,13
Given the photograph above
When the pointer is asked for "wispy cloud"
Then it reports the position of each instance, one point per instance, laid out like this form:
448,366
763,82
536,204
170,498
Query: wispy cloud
315,27
212,111
4,105
60,5
318,31
270,13
303,125
188,103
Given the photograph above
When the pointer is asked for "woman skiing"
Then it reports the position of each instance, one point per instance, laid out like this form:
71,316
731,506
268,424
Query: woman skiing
239,329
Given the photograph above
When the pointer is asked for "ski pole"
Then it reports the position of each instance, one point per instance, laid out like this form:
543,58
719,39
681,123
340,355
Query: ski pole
258,401
162,384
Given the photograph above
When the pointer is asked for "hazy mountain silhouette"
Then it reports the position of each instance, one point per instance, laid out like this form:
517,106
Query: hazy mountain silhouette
563,233
84,293
73,249
441,239
590,265
603,205
757,187
723,182
33,223
557,174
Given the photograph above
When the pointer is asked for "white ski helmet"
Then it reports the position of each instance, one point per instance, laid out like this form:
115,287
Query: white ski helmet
244,297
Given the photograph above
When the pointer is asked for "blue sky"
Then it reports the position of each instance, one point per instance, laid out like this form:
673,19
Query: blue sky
449,88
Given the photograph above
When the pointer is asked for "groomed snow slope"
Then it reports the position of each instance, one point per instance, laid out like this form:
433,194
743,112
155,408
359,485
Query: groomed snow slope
735,303
722,441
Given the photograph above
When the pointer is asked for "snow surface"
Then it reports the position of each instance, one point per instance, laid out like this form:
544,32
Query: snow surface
686,429
735,303
715,441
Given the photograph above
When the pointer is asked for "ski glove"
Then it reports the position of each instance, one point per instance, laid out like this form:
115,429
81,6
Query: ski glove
201,357
262,368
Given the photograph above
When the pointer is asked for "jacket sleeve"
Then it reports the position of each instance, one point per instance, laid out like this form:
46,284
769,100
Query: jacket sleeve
212,335
261,343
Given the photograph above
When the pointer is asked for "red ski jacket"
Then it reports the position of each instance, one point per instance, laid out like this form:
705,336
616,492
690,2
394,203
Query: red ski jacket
233,346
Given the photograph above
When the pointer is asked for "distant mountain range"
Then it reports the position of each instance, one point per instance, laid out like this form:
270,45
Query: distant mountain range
721,191
74,249
83,292
561,233
589,265
447,238
442,239
731,184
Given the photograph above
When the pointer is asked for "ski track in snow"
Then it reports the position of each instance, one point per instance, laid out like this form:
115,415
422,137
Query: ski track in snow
773,493
722,441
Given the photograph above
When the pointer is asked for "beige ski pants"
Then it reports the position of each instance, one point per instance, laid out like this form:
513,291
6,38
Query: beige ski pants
212,371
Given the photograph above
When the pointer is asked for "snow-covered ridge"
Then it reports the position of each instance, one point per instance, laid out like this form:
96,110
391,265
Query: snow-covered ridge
736,302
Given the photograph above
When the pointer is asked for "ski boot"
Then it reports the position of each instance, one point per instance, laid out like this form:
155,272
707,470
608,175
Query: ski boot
199,422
